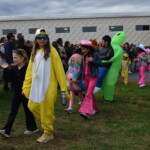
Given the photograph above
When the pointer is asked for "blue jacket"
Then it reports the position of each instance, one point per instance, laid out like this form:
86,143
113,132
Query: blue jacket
9,47
93,65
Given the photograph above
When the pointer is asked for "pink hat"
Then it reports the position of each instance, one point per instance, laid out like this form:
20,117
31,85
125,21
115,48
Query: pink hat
147,50
86,43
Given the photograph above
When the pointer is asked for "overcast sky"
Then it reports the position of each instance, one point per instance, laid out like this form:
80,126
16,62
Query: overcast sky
35,7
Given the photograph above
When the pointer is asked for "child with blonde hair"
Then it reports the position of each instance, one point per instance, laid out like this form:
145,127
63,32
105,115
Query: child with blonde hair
16,75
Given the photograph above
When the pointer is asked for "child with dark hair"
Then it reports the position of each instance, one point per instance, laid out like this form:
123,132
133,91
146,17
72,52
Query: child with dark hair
68,49
63,54
21,44
142,64
2,50
105,52
91,62
16,75
44,72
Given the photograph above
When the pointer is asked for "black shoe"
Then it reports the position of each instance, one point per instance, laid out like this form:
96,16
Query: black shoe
84,115
107,101
5,88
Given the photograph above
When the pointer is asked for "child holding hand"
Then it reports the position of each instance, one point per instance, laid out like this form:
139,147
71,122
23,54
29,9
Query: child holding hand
142,64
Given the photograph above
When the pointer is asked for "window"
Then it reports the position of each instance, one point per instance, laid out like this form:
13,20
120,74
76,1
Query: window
115,28
63,30
6,31
89,29
32,30
142,27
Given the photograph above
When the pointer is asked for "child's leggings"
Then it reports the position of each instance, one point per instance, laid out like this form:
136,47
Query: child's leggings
141,70
124,75
80,95
89,103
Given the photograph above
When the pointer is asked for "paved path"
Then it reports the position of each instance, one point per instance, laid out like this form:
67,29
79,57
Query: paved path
134,77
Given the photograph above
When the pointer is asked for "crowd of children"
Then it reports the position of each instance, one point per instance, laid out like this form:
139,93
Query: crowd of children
135,59
88,68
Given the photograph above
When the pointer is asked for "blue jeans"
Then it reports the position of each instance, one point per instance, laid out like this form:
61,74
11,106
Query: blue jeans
102,72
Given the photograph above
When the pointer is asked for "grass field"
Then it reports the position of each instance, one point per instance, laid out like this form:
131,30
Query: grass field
123,124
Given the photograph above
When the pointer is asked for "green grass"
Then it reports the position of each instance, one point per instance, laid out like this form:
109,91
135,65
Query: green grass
123,124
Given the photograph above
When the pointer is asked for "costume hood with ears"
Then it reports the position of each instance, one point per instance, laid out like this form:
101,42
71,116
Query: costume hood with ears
40,31
75,61
74,72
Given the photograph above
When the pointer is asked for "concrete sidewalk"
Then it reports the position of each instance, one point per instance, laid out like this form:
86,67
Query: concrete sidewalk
134,77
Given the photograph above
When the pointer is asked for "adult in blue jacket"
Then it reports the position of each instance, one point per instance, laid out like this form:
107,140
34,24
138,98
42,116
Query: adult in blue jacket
9,47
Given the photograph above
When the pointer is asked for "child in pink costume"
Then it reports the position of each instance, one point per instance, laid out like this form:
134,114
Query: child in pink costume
142,64
75,85
91,62
148,61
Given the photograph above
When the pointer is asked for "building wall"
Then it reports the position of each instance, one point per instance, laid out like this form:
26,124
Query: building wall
76,24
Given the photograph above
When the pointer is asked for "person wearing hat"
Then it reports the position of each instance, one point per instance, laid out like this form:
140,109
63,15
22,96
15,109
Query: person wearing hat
148,56
44,72
124,68
91,62
142,64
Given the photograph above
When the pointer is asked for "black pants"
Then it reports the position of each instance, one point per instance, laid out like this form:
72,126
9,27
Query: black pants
16,101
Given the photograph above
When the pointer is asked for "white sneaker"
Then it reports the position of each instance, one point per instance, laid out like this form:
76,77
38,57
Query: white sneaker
68,110
80,103
142,85
30,132
3,132
96,89
129,72
94,111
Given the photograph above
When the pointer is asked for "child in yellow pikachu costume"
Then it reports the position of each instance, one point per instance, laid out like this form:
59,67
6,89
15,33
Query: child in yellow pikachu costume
44,72
124,68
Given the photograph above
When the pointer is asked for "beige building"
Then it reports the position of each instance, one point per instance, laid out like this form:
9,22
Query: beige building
81,27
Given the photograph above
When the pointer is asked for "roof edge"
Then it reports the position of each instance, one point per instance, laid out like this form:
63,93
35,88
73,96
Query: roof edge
73,16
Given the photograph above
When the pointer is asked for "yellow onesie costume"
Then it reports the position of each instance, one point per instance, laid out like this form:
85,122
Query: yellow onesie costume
124,68
44,110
